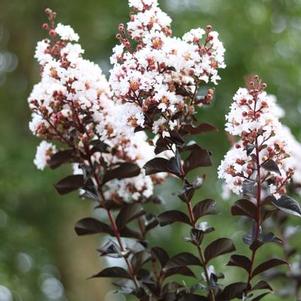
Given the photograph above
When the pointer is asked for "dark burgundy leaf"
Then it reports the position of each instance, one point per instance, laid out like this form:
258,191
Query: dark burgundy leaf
60,158
179,271
90,225
99,146
151,224
262,285
288,205
244,207
128,213
70,184
179,89
128,232
173,216
162,165
232,291
124,170
182,259
269,264
202,128
112,272
260,297
161,145
218,247
198,157
240,261
187,194
271,165
176,138
161,255
205,207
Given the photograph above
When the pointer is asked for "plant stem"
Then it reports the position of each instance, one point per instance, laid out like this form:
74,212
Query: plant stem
258,214
200,251
101,200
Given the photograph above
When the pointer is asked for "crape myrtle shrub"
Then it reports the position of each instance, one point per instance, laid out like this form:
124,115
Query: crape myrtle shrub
125,135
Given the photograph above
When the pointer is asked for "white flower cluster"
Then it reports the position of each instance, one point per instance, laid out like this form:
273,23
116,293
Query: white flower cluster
71,104
153,74
254,117
44,152
70,91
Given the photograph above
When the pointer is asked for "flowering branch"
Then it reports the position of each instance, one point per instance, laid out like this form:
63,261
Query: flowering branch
126,135
259,167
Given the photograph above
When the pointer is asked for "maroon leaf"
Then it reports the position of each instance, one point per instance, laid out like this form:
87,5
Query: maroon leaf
161,255
173,216
90,225
240,261
70,184
269,264
232,291
187,193
128,232
60,158
205,207
182,259
178,271
218,247
198,157
128,213
163,165
202,128
244,207
288,205
271,165
124,170
262,285
112,272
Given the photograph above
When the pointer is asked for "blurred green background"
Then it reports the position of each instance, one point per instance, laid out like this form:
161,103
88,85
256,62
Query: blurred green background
41,258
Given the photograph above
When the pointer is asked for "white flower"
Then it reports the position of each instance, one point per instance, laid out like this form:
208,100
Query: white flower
43,154
66,33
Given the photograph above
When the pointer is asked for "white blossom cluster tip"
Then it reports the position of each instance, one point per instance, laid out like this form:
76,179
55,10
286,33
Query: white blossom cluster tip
72,105
66,33
160,72
254,117
294,161
44,152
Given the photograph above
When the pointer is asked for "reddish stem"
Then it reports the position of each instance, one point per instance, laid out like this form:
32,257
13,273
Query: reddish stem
258,214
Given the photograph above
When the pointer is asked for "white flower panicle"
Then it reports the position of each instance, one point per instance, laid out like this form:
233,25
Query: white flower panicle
72,105
162,72
70,91
44,152
254,117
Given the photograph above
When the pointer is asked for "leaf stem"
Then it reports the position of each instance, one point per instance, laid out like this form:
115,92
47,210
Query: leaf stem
200,251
